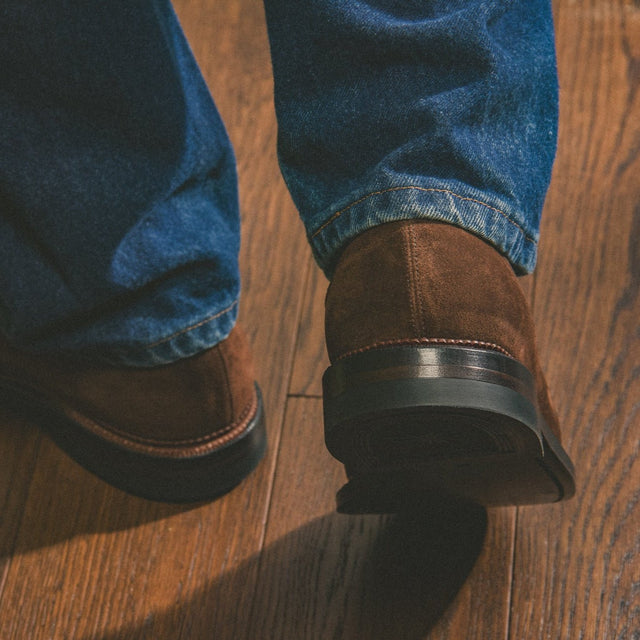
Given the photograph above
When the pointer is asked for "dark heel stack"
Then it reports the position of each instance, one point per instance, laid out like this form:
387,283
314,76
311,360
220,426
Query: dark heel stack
414,424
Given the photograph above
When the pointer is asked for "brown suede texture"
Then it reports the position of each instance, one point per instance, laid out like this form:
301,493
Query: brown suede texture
426,280
190,400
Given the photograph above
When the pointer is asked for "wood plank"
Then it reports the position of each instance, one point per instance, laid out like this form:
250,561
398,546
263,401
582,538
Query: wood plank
326,575
19,443
91,562
311,357
471,615
296,521
577,565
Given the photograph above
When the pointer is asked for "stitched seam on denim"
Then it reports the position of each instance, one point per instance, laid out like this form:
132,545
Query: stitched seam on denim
192,327
337,214
477,344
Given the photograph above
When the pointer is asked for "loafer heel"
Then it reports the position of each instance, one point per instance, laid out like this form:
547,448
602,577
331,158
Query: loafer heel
413,423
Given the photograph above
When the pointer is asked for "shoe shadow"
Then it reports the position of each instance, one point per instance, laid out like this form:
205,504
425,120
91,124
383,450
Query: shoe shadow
337,576
353,578
47,498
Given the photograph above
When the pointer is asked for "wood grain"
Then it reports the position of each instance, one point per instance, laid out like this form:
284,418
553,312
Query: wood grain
311,357
90,562
577,566
325,575
19,443
80,560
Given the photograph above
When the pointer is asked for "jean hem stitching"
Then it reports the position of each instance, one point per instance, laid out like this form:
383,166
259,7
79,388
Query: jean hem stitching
192,327
337,214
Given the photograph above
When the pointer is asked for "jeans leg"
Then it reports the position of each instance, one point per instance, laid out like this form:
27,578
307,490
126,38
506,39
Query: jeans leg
119,225
400,109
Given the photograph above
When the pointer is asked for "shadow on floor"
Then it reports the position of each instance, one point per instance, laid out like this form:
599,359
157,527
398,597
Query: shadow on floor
48,498
337,576
343,577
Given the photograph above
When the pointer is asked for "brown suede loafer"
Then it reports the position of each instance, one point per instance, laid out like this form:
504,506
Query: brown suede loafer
183,432
434,387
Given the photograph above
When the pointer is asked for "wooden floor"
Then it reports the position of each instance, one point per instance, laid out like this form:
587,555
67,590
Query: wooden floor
79,560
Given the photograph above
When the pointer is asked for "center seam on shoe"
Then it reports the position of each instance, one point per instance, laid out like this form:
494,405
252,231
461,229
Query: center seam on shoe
417,315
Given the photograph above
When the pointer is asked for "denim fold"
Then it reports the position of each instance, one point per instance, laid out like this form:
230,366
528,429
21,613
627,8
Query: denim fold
441,110
119,214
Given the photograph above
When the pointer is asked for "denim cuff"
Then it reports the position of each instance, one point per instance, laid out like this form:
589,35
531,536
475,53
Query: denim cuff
485,215
180,340
183,343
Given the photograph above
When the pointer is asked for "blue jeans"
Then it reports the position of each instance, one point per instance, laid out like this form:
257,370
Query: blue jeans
119,223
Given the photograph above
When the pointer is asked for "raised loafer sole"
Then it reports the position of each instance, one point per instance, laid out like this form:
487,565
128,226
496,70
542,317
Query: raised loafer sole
412,424
175,476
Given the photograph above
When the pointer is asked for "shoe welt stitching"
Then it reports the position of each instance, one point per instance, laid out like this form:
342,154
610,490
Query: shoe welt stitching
195,446
478,344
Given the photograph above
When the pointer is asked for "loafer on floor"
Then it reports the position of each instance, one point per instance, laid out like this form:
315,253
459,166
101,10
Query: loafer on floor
183,432
434,388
